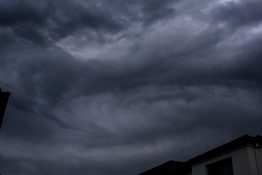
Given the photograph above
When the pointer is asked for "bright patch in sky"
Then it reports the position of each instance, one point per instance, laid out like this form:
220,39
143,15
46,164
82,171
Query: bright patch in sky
228,1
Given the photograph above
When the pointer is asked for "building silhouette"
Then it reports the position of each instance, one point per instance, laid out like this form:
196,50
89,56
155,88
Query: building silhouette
168,168
242,156
3,102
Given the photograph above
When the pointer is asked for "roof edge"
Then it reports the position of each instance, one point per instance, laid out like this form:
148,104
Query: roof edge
237,143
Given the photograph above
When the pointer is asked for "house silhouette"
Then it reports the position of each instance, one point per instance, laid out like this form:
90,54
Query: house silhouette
242,156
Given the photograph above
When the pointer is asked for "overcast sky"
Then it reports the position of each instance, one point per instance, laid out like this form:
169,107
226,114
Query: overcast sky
114,87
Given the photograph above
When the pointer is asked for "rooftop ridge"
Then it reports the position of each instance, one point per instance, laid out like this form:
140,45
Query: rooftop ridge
227,147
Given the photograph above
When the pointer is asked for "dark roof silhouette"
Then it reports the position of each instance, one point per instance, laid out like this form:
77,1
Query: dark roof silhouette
169,168
228,147
183,168
3,102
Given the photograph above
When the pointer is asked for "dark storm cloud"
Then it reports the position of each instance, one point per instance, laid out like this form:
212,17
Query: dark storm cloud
42,21
240,13
156,10
103,87
23,19
18,12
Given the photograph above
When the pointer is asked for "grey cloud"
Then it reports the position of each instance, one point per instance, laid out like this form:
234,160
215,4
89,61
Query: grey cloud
180,78
19,12
239,13
156,10
41,22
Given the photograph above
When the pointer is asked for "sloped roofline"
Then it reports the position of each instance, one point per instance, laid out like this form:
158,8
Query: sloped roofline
168,168
174,166
238,143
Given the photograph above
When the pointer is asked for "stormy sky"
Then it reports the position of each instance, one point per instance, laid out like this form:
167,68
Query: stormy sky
114,87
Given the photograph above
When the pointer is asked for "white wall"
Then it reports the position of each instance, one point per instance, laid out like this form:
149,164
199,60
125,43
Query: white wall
259,160
252,155
242,159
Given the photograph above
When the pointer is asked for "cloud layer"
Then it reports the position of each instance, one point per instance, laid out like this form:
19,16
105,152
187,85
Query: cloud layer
116,87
